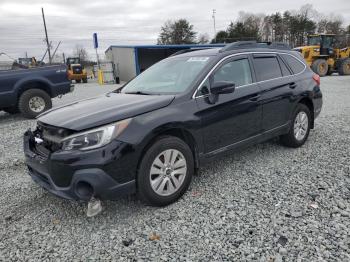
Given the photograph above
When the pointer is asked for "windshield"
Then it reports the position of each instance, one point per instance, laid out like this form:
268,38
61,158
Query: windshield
170,76
314,40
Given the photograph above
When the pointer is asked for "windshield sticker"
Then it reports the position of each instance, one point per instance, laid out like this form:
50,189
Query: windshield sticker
198,59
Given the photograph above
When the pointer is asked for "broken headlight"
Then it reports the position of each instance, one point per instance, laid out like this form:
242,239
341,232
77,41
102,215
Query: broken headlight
94,138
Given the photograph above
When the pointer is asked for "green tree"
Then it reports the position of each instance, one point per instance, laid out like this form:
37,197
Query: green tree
221,37
177,32
247,27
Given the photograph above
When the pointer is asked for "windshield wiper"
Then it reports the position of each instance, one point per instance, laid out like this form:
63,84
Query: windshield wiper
137,93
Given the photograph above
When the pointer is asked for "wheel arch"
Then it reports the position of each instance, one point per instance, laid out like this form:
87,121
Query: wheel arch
178,132
308,102
34,84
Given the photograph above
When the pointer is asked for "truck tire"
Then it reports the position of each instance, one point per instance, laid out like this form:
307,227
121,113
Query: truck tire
344,67
320,67
84,80
78,81
34,102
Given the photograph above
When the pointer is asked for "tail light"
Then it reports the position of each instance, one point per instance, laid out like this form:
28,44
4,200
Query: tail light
317,79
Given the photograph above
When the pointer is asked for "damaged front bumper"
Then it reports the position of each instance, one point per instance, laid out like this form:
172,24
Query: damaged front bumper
104,173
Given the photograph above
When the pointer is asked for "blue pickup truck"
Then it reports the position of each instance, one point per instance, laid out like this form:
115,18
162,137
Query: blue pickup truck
29,91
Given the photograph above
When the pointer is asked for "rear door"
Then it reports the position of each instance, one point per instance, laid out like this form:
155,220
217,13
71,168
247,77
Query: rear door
233,117
276,85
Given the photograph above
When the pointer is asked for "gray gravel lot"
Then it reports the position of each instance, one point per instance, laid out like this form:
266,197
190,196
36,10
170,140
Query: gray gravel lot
265,203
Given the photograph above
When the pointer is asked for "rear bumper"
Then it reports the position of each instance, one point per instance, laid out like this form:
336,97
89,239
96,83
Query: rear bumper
105,173
318,102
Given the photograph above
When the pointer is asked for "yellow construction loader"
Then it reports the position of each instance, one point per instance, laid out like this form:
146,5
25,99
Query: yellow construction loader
75,70
323,57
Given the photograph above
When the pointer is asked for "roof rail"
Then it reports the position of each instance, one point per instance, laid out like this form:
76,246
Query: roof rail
255,44
183,51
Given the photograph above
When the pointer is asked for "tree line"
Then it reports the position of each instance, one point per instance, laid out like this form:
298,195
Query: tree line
291,27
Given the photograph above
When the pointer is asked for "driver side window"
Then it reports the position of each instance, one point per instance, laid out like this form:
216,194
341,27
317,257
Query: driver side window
237,71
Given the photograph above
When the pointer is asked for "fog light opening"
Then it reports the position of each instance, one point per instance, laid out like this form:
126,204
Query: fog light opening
84,190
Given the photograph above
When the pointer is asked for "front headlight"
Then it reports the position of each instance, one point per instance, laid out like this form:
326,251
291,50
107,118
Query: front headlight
95,138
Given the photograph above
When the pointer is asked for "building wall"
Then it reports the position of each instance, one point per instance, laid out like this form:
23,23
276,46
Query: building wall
124,61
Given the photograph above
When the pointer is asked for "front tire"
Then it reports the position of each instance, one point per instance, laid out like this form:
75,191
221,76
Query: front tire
165,171
78,81
300,129
85,80
33,102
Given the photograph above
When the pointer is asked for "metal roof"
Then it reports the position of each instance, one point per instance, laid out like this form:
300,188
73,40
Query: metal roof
166,46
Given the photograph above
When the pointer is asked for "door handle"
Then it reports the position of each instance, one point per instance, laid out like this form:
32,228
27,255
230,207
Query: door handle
254,98
292,85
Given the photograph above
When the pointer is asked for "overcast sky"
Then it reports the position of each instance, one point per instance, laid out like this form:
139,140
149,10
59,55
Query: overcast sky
125,22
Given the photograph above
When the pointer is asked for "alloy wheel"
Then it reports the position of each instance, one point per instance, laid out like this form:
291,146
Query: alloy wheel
301,125
168,172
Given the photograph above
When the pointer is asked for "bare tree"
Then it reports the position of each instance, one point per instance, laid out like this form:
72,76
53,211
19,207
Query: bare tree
203,39
80,51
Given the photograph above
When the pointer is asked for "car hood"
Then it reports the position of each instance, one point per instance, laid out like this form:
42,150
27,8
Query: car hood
103,110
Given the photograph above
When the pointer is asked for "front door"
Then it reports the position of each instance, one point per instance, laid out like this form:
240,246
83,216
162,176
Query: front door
234,117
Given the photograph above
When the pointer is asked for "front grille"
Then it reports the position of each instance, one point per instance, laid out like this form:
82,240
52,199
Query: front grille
77,69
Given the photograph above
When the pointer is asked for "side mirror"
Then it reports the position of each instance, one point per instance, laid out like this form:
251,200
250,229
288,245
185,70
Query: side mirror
222,87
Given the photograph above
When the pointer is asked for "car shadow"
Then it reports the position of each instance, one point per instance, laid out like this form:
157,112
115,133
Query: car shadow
125,207
13,118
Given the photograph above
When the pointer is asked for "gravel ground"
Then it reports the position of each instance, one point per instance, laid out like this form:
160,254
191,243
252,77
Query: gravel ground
265,203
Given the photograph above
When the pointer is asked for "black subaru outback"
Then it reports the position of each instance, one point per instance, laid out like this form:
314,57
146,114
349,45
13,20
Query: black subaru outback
149,136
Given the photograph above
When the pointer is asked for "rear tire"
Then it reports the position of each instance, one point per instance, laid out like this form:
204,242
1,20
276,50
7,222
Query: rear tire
78,81
299,124
165,171
85,80
33,102
320,67
344,67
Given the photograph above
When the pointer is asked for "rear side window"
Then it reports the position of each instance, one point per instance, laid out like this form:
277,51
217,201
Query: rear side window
267,68
294,64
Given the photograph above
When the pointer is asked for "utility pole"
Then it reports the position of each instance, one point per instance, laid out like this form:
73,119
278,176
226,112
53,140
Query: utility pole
214,12
47,38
